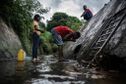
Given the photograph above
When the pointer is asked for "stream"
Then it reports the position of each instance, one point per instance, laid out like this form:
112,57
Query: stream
50,71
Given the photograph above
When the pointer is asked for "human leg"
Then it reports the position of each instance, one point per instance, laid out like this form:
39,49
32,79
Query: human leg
58,40
60,51
35,46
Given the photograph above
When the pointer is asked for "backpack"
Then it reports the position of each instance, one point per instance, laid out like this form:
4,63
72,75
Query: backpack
88,15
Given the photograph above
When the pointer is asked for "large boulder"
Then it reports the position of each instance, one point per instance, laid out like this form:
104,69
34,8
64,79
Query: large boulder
116,45
9,42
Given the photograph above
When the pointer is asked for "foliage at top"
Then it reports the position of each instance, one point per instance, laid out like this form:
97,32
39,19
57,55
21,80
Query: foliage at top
60,18
19,14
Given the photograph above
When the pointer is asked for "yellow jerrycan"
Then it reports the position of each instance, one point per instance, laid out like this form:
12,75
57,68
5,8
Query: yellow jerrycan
21,55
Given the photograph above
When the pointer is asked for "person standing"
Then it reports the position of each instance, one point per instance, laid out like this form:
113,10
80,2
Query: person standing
61,34
36,37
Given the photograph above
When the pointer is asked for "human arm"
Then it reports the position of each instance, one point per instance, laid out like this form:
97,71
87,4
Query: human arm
73,40
70,40
36,28
42,31
82,14
69,37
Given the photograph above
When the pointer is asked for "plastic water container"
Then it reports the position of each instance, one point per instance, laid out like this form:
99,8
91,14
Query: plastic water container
21,55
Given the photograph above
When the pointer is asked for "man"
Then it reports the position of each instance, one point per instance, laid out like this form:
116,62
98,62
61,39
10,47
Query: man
61,34
36,37
87,14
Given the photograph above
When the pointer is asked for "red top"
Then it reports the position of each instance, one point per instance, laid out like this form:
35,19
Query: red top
63,30
88,11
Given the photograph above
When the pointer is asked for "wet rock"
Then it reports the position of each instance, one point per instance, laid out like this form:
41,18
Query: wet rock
97,76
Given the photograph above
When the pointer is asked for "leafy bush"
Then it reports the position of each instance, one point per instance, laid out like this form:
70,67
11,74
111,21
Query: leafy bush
60,18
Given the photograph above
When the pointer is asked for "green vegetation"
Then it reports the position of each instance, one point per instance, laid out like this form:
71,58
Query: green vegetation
64,19
19,13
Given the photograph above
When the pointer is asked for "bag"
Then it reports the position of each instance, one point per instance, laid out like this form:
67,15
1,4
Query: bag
88,15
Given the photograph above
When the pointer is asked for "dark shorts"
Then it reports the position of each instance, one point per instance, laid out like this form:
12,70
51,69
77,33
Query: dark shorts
57,38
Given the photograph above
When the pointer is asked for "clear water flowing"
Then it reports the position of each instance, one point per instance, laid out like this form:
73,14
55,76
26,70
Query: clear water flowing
50,71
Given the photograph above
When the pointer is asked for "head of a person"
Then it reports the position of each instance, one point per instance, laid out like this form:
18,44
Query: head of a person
76,35
84,7
37,17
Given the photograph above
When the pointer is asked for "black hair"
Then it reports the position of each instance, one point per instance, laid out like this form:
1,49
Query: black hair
37,17
77,34
84,6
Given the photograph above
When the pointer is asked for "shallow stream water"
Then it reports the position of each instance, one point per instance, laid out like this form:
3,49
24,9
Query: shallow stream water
50,71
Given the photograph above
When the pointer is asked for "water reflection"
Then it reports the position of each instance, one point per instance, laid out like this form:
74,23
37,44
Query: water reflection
21,72
50,71
20,68
7,71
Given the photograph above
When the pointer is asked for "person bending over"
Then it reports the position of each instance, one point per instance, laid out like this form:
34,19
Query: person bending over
61,34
